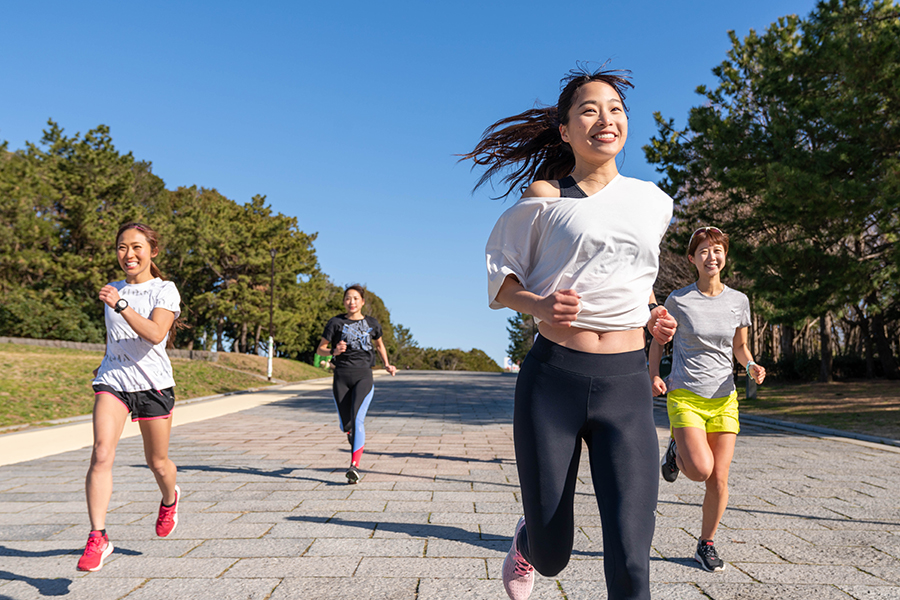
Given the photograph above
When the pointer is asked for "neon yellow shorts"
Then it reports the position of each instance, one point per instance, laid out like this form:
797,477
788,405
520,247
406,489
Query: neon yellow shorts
716,415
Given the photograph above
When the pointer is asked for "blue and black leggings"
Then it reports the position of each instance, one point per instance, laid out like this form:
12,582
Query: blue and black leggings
563,397
353,389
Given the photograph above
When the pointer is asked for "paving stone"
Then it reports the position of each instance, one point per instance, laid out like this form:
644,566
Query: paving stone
367,547
590,590
220,589
25,588
438,548
153,567
305,566
422,567
859,592
267,510
758,591
333,588
788,574
482,589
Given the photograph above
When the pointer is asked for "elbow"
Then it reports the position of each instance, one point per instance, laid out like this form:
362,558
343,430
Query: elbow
158,337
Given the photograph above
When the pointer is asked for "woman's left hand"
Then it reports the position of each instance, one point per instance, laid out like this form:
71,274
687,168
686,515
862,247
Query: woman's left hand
391,369
662,325
757,372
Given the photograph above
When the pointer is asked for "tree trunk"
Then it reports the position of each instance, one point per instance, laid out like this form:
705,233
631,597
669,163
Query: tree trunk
825,343
884,348
243,346
867,343
258,333
787,343
220,329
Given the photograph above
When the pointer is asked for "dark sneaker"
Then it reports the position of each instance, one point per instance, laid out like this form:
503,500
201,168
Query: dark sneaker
518,574
168,516
352,474
668,466
707,556
95,552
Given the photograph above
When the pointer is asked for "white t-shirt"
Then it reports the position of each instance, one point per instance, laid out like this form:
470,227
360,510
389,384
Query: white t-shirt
132,364
605,247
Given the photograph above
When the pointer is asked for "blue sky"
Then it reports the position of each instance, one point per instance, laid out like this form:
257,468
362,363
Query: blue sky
348,115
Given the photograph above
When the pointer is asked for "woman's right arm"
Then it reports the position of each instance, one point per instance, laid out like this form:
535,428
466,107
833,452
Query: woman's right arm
559,309
323,349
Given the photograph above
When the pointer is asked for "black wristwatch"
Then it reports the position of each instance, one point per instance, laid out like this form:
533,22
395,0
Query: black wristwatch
121,304
652,306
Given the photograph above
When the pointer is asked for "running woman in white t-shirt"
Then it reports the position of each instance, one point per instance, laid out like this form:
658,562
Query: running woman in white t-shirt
580,253
702,400
135,377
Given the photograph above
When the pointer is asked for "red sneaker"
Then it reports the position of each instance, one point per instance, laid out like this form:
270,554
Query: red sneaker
168,516
95,552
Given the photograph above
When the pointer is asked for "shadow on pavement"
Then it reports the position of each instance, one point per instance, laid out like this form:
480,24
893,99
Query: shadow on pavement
284,473
46,587
491,461
417,530
805,517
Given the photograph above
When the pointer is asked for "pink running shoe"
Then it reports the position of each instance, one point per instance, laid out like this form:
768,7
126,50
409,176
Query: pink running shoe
95,552
518,574
168,516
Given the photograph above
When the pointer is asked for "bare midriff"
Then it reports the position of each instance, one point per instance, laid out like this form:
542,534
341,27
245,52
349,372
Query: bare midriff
594,342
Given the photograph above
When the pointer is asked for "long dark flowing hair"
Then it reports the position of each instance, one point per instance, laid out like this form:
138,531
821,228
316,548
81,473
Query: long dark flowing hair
528,145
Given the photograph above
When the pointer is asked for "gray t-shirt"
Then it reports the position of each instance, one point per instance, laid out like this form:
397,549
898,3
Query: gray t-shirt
703,344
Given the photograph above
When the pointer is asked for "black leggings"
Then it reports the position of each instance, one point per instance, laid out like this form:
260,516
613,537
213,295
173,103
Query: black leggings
353,389
562,397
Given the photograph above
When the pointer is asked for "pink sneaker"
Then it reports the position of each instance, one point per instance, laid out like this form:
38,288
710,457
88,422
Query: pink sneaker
518,575
95,552
168,516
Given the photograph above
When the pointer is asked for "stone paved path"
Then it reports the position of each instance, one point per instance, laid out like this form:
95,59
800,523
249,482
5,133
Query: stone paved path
267,514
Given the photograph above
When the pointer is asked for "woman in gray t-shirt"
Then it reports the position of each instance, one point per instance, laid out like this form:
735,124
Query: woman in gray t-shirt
702,400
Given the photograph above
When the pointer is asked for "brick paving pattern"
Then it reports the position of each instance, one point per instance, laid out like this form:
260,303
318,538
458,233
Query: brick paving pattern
267,514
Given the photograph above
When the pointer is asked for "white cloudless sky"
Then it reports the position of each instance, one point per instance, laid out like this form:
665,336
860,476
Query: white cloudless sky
349,115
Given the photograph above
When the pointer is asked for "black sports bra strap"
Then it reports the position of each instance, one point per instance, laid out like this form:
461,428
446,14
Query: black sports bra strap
569,189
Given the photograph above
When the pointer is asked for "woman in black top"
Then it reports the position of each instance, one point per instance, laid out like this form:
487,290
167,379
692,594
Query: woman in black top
354,340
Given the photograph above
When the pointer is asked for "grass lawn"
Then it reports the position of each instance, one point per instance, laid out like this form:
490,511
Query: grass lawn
870,407
40,384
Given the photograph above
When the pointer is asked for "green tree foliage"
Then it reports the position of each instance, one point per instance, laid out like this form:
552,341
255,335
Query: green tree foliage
521,329
61,203
796,153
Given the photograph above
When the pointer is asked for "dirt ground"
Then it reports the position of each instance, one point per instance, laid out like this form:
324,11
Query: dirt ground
864,406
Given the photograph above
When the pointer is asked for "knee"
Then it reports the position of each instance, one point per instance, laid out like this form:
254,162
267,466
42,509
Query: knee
103,456
719,482
699,470
550,556
159,465
550,565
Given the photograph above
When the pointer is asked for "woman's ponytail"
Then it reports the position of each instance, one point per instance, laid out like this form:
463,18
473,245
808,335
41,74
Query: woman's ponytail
528,146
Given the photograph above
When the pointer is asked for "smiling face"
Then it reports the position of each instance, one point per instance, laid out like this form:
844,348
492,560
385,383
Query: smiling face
353,302
135,256
598,126
709,259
